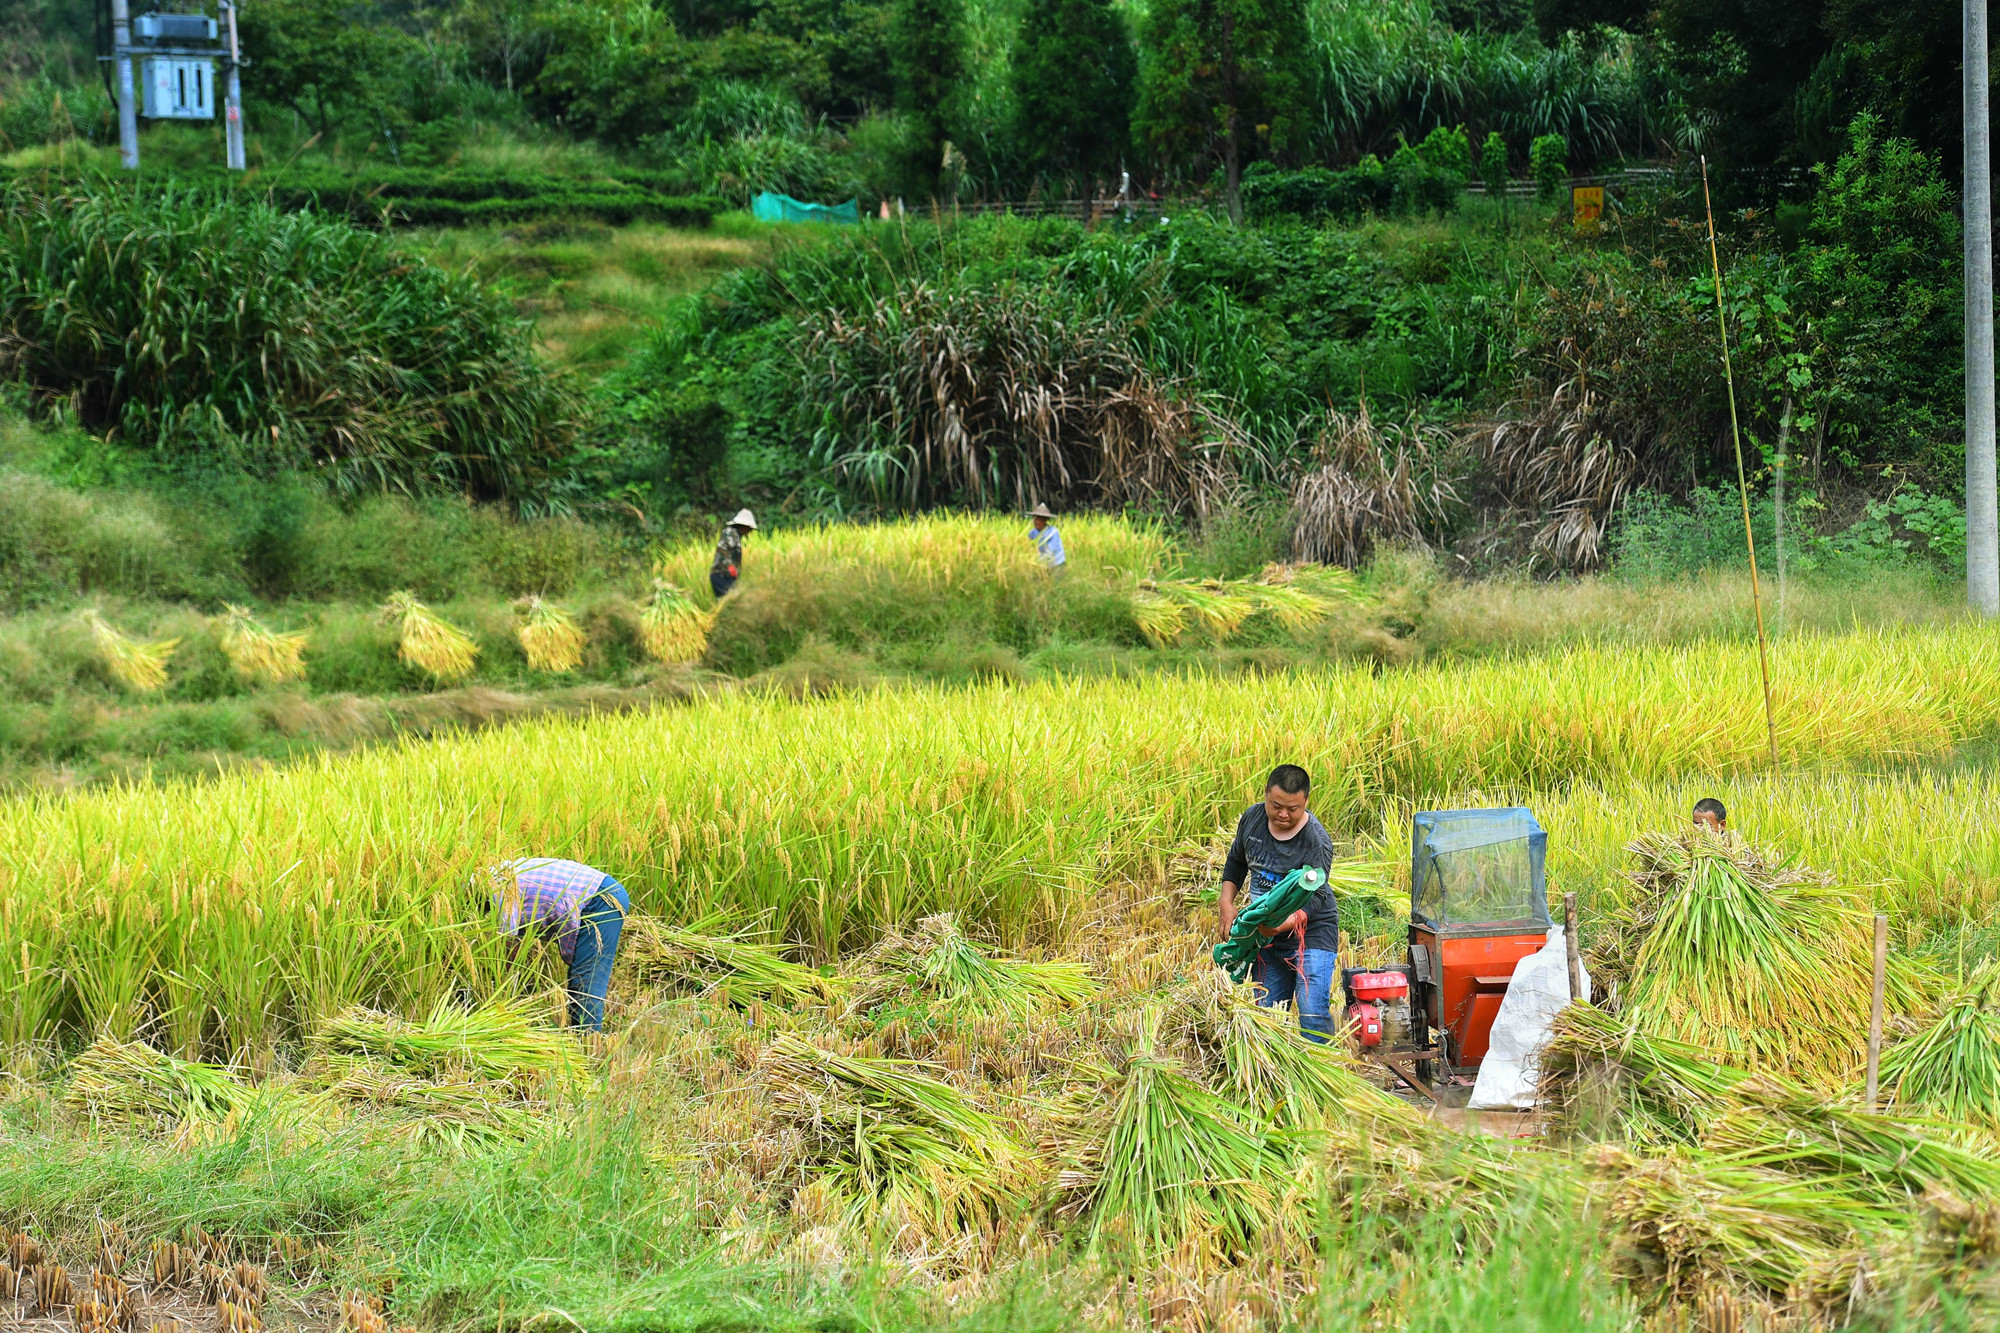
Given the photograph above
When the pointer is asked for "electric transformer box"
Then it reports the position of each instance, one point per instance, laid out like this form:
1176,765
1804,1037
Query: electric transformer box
178,88
170,28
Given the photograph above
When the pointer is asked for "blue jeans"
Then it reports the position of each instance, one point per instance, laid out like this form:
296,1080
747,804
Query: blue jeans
596,950
1278,981
720,584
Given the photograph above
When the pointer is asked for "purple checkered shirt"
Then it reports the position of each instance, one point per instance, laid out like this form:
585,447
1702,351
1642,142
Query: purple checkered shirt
548,893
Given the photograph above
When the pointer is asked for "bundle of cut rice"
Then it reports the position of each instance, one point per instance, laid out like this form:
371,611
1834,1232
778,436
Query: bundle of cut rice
1750,955
141,667
257,653
1952,1067
945,971
549,637
501,1040
907,1147
427,642
672,628
132,1081
744,967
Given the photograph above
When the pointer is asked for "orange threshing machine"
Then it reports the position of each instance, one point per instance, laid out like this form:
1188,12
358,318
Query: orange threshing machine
1478,905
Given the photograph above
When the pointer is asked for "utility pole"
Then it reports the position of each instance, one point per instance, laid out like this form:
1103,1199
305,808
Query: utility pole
128,108
1982,510
233,122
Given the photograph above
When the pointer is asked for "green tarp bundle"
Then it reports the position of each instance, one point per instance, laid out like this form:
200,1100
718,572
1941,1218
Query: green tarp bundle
768,207
1287,896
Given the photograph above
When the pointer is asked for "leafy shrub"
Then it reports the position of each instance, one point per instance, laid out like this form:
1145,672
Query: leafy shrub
1315,192
1548,161
191,324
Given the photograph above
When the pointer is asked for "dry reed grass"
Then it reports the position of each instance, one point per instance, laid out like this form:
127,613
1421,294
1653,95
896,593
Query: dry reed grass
1354,498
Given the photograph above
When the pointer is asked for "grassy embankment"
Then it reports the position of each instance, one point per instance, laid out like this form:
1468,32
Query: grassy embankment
227,917
936,600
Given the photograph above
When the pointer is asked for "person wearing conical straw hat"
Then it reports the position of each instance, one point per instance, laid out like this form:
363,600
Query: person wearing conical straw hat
581,908
1048,541
728,564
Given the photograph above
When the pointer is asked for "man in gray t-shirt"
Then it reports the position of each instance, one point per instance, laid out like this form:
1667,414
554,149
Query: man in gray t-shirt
1273,838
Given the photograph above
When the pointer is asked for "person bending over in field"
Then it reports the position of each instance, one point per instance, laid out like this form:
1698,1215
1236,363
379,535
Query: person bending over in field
1710,814
582,908
727,566
1301,963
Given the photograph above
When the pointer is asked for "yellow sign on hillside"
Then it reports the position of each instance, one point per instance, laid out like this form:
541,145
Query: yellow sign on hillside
1588,203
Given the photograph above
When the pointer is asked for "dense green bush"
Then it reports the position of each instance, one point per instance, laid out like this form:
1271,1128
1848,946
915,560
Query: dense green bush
195,325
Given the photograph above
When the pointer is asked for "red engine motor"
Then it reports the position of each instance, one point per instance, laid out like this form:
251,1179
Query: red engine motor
1367,988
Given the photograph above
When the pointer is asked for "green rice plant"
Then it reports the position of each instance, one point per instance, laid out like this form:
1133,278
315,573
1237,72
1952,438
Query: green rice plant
131,1081
140,667
1670,1089
911,1147
1011,805
259,654
1154,1157
501,1040
426,642
739,966
672,628
549,637
1751,955
1952,1068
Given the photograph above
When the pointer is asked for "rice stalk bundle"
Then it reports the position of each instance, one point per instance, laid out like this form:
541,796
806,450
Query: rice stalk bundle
908,1145
1160,619
939,963
140,667
1884,1158
549,636
1952,1068
454,1113
1220,608
1750,956
260,654
1291,606
1689,1221
743,967
500,1040
1672,1088
1157,1158
673,628
426,641
132,1081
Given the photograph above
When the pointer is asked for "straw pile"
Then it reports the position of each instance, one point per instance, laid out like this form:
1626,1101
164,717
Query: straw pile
672,628
740,966
132,1081
549,637
1952,1068
140,667
1727,947
259,654
427,642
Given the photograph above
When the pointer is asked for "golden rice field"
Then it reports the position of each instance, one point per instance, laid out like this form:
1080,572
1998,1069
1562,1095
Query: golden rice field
235,913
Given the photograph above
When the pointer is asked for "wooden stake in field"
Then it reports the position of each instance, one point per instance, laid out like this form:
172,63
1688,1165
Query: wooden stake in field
1742,481
1875,1007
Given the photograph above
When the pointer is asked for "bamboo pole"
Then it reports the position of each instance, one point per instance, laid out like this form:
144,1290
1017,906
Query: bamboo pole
1875,1006
1742,480
1570,948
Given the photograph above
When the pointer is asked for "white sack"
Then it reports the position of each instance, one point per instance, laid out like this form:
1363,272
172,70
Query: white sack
1537,993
